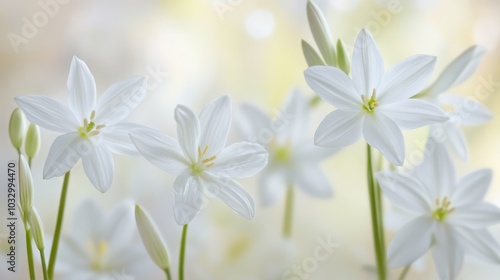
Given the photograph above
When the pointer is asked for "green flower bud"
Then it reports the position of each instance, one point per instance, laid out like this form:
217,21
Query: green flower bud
321,33
151,238
25,187
342,57
311,56
37,229
32,143
17,128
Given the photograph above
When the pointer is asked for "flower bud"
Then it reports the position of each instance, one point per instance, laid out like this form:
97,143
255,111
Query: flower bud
342,57
17,128
25,187
32,143
321,33
151,238
37,229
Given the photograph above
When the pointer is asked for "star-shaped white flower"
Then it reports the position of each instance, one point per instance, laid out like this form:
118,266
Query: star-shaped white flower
101,243
449,216
201,161
91,130
374,104
461,110
293,158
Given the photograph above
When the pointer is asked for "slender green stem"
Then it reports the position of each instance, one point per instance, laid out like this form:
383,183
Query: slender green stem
287,221
167,272
29,249
44,265
376,226
57,232
404,272
182,252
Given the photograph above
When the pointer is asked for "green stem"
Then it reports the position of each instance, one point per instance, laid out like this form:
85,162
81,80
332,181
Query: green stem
287,220
376,225
182,252
167,272
44,265
29,249
57,232
404,272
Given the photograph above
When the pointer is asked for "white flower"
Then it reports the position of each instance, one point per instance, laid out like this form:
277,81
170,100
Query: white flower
293,158
91,130
373,104
101,245
461,110
449,216
201,162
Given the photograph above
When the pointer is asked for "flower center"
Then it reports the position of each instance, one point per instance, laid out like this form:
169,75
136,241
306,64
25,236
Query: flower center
448,108
98,252
443,209
204,161
370,104
89,128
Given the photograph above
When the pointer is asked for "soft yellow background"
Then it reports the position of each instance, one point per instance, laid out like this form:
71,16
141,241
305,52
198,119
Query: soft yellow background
249,50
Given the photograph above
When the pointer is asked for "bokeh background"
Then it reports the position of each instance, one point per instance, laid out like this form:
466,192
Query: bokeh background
197,50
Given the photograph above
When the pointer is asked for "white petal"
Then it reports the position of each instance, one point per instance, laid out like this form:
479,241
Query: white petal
232,193
120,227
254,124
472,187
456,139
448,253
313,181
476,216
458,70
481,244
272,185
405,79
159,149
410,242
99,167
188,196
333,86
306,152
188,131
81,89
239,160
65,151
87,220
339,129
293,119
414,113
466,111
436,172
47,113
405,192
215,121
119,100
384,135
118,140
367,64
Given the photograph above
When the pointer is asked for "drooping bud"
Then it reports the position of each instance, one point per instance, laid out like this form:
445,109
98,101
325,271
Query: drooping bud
37,229
151,238
25,188
32,143
17,128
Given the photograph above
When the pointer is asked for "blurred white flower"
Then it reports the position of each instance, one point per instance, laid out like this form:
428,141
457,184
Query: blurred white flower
374,104
462,111
293,157
201,162
448,216
91,130
101,245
